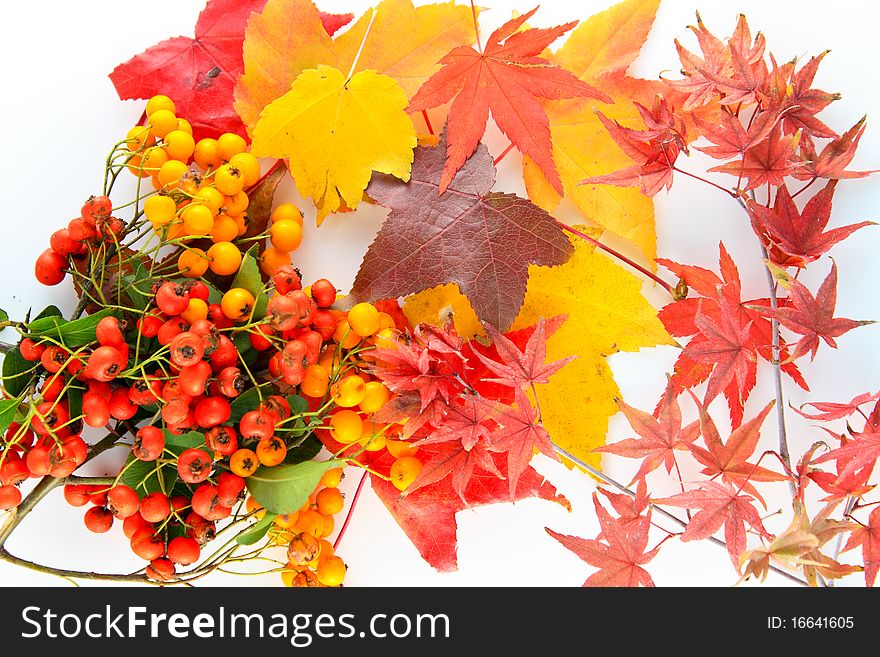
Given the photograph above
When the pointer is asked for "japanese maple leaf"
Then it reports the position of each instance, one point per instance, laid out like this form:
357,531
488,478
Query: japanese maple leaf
520,433
803,102
719,504
742,79
796,238
831,163
860,452
427,515
463,423
835,410
199,74
410,368
869,538
409,410
654,149
507,78
729,459
621,557
630,509
659,436
731,137
460,463
813,317
767,162
483,241
844,483
521,368
700,89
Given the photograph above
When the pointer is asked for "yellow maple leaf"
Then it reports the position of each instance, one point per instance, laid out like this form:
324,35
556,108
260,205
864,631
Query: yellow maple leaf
606,314
599,52
336,132
287,37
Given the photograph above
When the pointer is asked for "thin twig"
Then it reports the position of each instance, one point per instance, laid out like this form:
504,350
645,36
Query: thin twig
357,494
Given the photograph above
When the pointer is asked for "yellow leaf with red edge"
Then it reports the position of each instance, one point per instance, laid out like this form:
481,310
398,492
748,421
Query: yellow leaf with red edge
336,132
599,51
606,314
287,37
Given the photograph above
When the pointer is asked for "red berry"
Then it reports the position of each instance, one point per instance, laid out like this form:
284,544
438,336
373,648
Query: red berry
76,494
122,501
98,519
218,318
203,531
170,330
95,208
187,348
121,406
231,382
160,570
53,387
144,392
172,298
109,333
258,338
155,507
324,293
49,268
256,425
96,410
146,544
287,279
324,323
54,358
133,524
50,417
205,500
14,470
229,488
30,350
193,378
221,440
149,442
105,363
194,465
10,497
149,325
226,355
199,291
184,550
80,230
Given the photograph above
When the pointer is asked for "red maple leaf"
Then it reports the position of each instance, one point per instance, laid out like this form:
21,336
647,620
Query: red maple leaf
767,162
719,504
408,409
457,461
731,137
700,89
520,368
793,238
860,452
813,317
199,73
507,78
835,410
746,72
427,516
831,163
519,434
801,102
622,554
654,149
659,436
869,538
411,368
729,459
630,509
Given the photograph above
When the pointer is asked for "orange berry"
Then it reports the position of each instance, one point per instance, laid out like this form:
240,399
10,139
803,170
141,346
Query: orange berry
271,451
161,122
179,145
237,304
272,260
400,448
206,154
364,319
229,144
225,258
329,501
331,478
348,391
376,395
315,381
345,336
287,212
192,263
244,463
196,310
197,219
310,522
224,229
331,571
286,235
158,102
346,426
249,167
404,471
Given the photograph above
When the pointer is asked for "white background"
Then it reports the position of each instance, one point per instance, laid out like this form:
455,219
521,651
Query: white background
60,114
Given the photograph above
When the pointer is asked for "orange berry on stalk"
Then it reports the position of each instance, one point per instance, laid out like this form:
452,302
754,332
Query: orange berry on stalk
158,102
304,548
206,154
310,522
345,336
237,304
346,426
249,167
230,144
286,235
364,319
160,210
271,451
241,221
237,203
400,448
135,166
287,212
251,504
386,321
404,471
139,137
329,501
376,395
184,125
315,382
244,463
229,180
371,438
179,145
329,524
331,571
171,173
224,230
196,310
193,263
161,122
209,197
225,258
386,339
197,219
349,391
273,259
153,159
287,520
331,478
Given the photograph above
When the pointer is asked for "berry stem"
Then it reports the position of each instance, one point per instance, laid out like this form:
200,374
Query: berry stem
357,494
592,240
663,512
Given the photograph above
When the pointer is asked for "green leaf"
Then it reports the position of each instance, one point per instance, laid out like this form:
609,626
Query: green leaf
257,531
298,405
8,407
138,285
15,372
250,279
4,316
247,401
71,333
48,311
283,489
148,477
75,401
305,451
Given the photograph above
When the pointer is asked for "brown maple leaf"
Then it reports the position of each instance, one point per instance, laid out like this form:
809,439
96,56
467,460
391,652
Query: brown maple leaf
659,436
813,317
621,557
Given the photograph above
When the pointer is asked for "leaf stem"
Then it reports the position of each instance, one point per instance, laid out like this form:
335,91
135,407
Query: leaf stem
361,48
357,494
428,125
503,154
729,192
476,27
592,240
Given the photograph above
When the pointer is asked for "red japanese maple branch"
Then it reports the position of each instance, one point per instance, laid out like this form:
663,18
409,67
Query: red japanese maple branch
357,494
654,277
729,192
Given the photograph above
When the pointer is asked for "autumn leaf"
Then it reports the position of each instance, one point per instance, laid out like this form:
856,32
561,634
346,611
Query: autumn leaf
835,410
483,241
622,554
765,163
599,52
813,317
860,452
286,38
427,515
659,436
335,132
831,163
868,537
199,73
507,78
795,238
719,504
606,314
788,549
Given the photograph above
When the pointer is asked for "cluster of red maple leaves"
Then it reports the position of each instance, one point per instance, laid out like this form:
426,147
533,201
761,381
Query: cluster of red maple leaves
764,129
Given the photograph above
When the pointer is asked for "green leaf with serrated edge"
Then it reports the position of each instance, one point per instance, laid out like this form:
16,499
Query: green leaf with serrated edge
283,489
250,279
149,477
17,372
257,531
8,408
74,333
